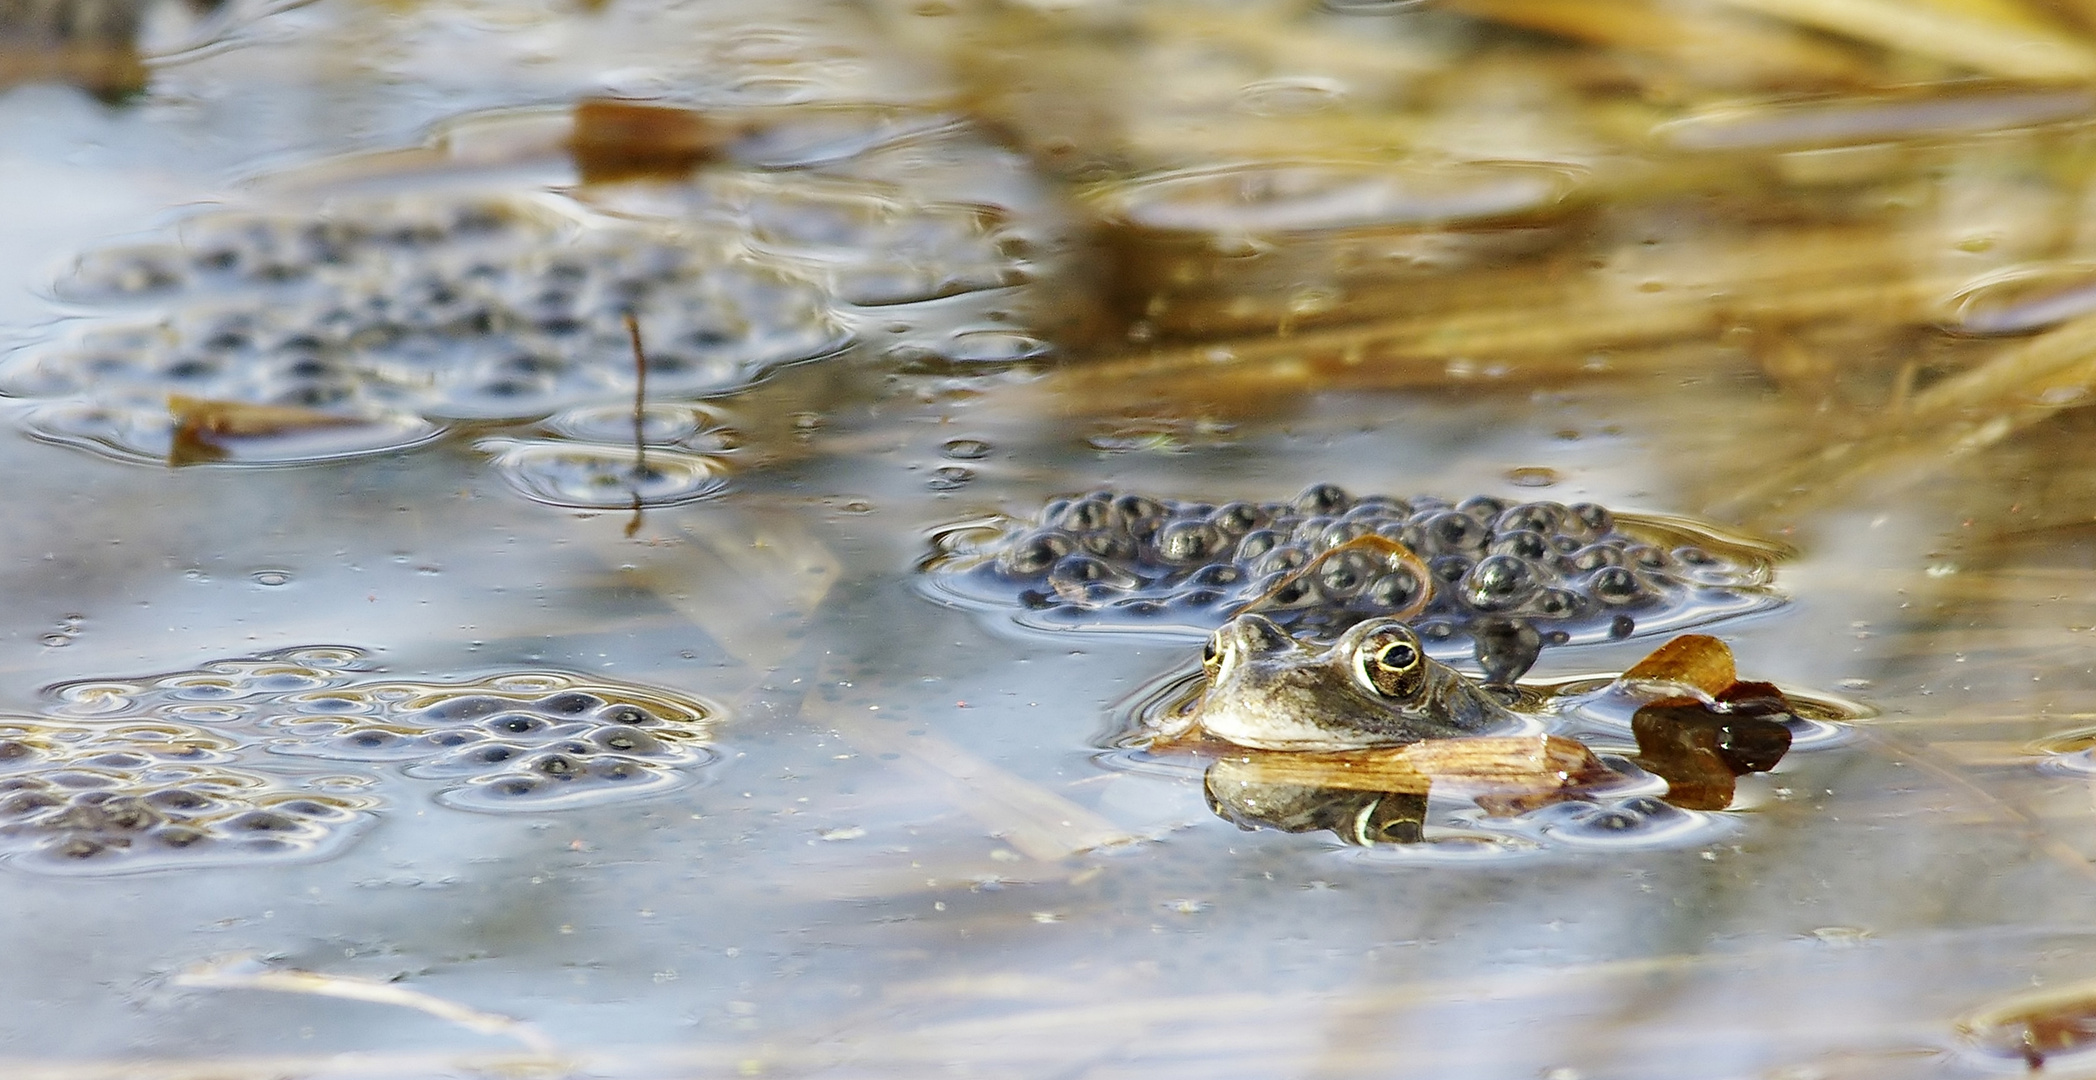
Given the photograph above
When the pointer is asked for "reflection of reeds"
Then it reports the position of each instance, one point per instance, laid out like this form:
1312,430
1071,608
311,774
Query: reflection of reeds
1523,326
2019,386
1998,37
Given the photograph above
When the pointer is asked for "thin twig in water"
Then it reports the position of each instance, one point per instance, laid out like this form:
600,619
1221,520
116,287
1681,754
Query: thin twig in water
224,975
640,404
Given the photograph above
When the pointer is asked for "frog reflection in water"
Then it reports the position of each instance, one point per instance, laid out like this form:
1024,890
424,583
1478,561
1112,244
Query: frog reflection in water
1375,686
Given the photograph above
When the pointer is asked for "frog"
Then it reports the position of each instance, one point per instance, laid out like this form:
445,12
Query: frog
1373,686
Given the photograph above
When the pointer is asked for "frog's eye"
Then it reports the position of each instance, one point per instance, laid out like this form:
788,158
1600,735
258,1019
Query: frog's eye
1211,656
1392,663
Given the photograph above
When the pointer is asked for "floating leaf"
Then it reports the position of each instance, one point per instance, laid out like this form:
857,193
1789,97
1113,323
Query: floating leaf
1692,660
1700,747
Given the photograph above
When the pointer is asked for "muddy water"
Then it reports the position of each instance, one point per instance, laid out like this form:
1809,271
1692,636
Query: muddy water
429,759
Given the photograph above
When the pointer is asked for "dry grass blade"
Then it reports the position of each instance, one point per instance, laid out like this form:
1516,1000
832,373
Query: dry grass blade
1703,43
2011,49
1518,338
2023,385
223,976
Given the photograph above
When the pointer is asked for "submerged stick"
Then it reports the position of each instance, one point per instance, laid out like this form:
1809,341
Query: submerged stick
640,419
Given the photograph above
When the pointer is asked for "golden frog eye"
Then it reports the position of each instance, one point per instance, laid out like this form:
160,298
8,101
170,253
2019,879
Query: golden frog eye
1392,663
1211,657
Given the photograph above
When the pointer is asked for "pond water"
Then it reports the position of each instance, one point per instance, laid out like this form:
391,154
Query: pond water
373,706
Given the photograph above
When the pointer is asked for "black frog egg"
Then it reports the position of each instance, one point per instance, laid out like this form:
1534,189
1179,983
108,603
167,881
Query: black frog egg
1340,533
261,821
1255,544
181,800
1448,568
1540,517
1434,629
1524,544
626,740
1558,604
1484,508
1593,557
25,803
368,739
1186,542
1032,555
1453,532
556,766
1343,575
568,703
1376,509
1616,586
1499,583
1322,499
1690,555
466,707
1132,508
179,837
1307,530
1281,560
1089,514
630,715
1081,577
1593,520
1238,518
514,723
1109,545
1290,593
1216,576
1393,591
1629,817
1645,556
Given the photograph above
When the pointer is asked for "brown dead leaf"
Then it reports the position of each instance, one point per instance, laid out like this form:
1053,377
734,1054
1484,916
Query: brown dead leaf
1694,660
203,425
1699,748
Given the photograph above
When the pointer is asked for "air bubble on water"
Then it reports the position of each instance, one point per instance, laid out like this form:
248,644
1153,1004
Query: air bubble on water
990,347
596,477
689,426
949,478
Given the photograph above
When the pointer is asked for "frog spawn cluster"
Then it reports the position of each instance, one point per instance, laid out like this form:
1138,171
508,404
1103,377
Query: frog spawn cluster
144,795
405,314
516,742
1497,570
239,760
